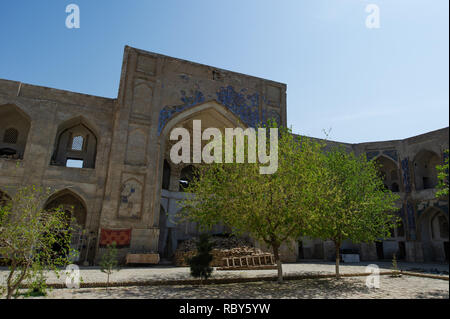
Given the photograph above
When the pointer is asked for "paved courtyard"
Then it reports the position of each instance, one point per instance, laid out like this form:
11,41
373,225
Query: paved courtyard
405,287
161,273
349,287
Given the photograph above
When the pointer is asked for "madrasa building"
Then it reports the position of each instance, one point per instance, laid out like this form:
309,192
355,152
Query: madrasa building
108,159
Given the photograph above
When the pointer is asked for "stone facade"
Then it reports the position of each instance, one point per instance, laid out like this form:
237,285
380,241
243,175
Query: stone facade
409,169
108,158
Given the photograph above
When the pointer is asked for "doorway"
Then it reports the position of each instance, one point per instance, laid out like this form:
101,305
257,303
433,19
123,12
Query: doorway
380,252
300,250
446,250
401,250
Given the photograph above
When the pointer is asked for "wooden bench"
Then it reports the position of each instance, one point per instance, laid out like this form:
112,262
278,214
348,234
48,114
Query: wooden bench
142,259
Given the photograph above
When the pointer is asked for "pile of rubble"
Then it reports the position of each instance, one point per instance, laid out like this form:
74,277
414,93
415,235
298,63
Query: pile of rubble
222,248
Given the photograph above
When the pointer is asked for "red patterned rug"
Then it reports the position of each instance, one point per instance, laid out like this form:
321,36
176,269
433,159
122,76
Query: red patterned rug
122,237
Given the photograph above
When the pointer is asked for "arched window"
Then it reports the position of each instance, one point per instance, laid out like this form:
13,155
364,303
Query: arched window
77,143
11,135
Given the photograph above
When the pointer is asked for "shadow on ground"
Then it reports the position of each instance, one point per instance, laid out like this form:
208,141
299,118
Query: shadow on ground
301,289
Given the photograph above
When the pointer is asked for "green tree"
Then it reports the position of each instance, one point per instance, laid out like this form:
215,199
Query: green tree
271,208
200,263
443,177
109,263
351,202
29,235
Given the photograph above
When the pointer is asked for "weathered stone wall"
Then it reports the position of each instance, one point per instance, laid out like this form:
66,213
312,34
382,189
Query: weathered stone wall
157,93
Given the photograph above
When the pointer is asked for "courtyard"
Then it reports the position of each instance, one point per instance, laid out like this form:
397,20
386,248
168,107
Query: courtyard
404,287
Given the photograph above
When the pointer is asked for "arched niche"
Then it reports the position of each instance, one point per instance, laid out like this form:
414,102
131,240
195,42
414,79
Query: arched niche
131,196
14,128
76,144
388,170
211,114
142,99
71,203
136,148
425,174
434,234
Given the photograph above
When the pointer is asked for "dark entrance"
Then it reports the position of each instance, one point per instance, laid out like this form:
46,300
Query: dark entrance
168,252
446,250
401,250
379,246
300,250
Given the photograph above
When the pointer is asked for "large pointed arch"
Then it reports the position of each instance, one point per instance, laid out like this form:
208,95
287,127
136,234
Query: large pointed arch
211,113
212,107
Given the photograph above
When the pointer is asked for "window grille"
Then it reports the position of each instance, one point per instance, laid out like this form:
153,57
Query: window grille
77,143
11,136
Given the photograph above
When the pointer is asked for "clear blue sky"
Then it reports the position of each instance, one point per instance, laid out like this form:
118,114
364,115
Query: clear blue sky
364,84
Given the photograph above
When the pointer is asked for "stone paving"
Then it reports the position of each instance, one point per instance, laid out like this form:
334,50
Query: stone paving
349,287
93,274
405,287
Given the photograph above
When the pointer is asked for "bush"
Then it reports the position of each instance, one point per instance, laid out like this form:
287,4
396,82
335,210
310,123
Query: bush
395,270
200,264
109,263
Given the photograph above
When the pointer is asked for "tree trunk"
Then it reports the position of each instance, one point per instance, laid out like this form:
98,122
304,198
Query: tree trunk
12,287
338,246
9,289
9,293
276,254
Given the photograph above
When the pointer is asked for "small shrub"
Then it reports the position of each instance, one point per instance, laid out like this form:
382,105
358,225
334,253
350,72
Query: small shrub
109,263
395,270
200,263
